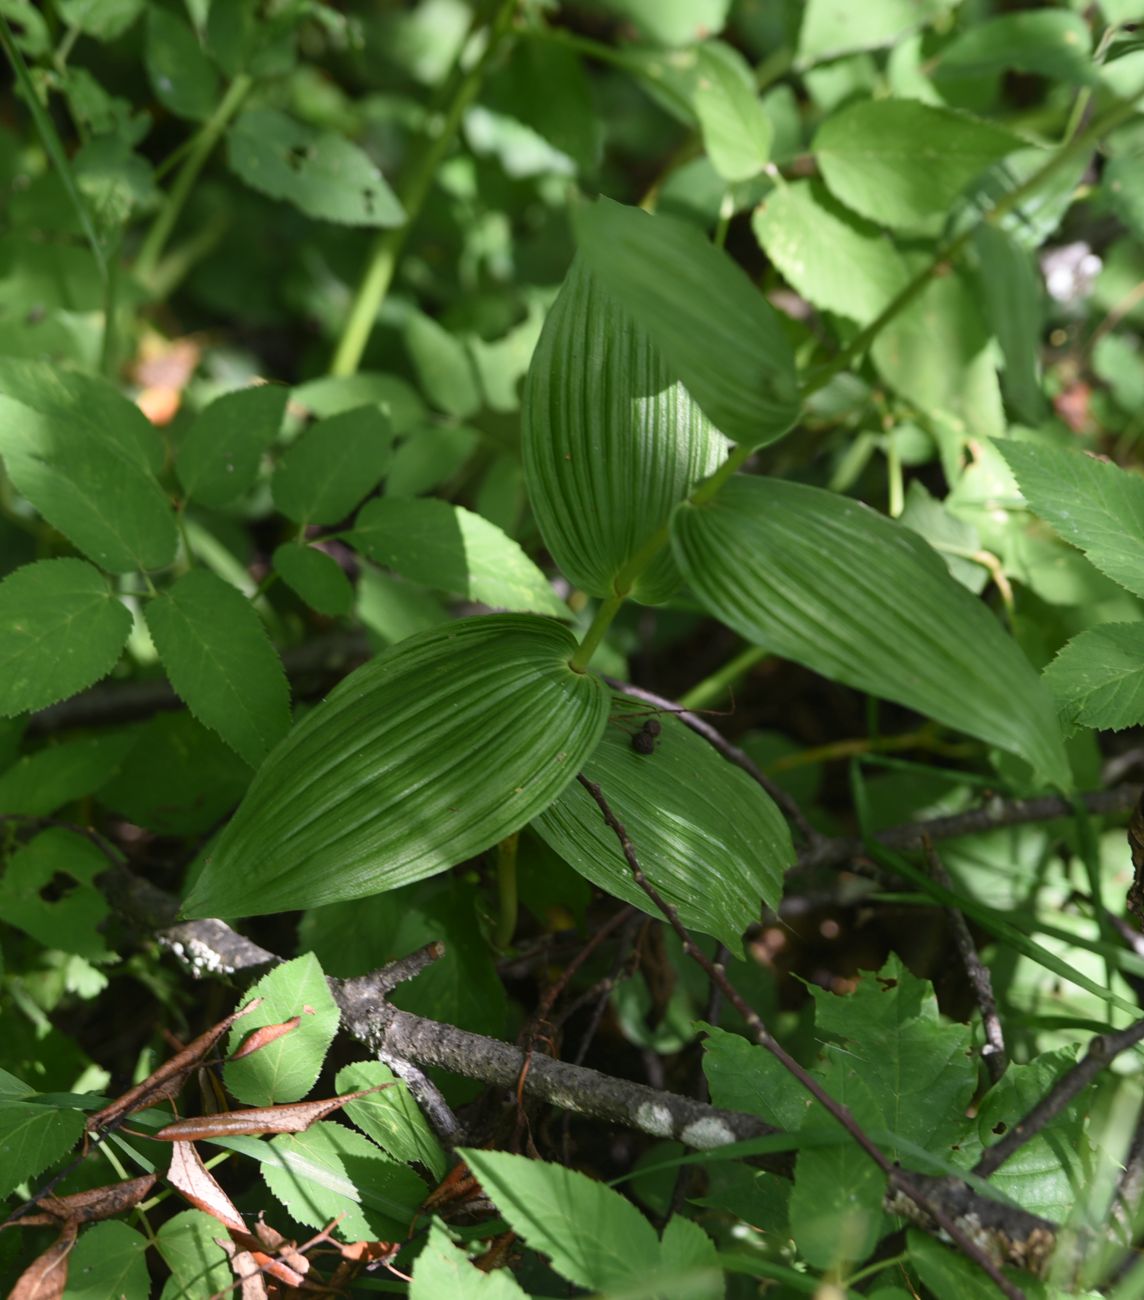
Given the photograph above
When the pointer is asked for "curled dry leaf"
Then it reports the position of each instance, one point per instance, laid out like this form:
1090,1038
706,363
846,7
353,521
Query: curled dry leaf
257,1039
99,1202
188,1175
164,1083
295,1117
47,1275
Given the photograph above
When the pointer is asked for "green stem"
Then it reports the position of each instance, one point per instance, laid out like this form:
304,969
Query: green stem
199,151
714,687
506,890
595,633
948,252
412,193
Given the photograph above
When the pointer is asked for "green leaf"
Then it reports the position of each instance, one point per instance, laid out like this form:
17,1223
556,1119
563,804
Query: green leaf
333,394
834,27
48,890
391,1117
1123,182
715,860
592,1236
611,441
321,173
443,1269
424,757
106,20
218,458
315,577
451,549
1097,679
332,466
830,584
32,1137
286,1069
329,1171
443,365
181,75
834,259
743,1076
190,1250
674,22
899,162
943,1270
1092,503
74,447
61,629
737,133
1049,43
715,330
1012,292
429,456
109,1259
39,783
221,663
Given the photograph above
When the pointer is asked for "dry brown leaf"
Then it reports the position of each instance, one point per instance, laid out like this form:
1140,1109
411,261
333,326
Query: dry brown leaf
47,1275
295,1117
188,1175
257,1039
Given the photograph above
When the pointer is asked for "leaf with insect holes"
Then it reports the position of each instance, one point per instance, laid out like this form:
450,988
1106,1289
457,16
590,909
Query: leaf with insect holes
714,860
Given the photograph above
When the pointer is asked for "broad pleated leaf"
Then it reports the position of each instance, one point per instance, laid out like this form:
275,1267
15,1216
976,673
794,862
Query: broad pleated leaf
898,162
221,663
611,441
717,860
1094,504
452,549
422,758
716,331
828,583
61,629
1097,679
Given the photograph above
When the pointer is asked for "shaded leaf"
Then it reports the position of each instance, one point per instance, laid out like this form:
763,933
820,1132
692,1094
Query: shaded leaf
743,1076
315,577
736,131
1050,43
1012,292
183,78
48,890
39,783
715,330
823,580
61,629
953,538
321,173
332,466
899,162
429,754
1097,679
190,1250
218,457
429,456
221,663
32,1137
714,860
109,1260
451,549
444,368
391,1117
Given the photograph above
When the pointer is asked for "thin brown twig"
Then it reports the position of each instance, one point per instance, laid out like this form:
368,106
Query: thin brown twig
993,1053
897,1178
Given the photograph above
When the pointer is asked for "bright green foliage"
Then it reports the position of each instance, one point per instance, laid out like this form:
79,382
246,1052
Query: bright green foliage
31,1138
611,442
443,1269
315,577
1097,679
286,1069
1012,295
218,458
108,1260
443,366
1051,43
427,755
900,163
833,27
220,662
452,549
322,174
714,331
71,921
673,22
332,466
736,131
60,630
391,1117
818,579
189,1248
714,862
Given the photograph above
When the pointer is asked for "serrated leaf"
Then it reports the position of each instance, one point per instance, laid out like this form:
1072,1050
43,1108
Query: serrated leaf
715,860
828,583
61,629
31,1138
443,1269
746,1077
592,1236
899,162
1097,679
332,1172
183,78
315,577
1012,292
449,548
37,784
833,258
332,466
737,133
73,446
109,1259
443,365
715,330
322,173
189,1247
391,1117
218,458
1092,503
221,663
1048,43
67,863
429,754
286,1069
611,441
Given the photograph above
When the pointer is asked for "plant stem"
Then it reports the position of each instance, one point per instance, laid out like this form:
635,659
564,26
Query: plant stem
601,621
717,684
200,149
412,194
506,890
